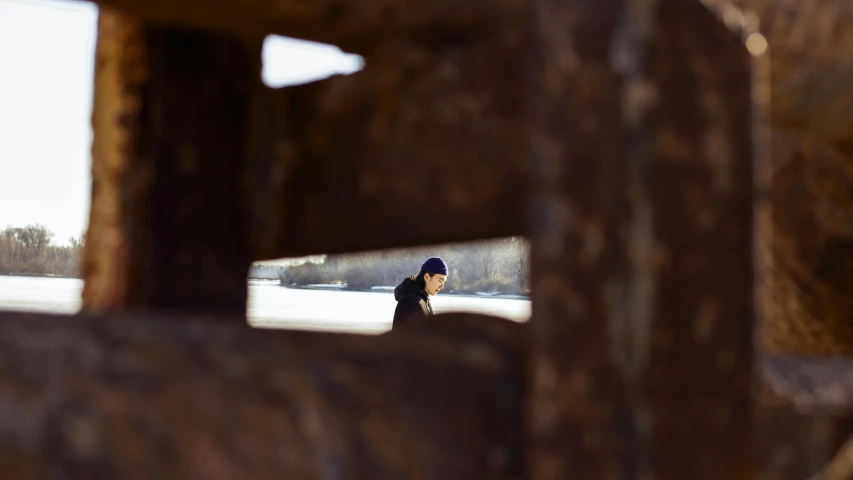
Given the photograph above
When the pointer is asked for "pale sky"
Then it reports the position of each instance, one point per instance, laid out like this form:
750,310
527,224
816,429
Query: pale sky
46,69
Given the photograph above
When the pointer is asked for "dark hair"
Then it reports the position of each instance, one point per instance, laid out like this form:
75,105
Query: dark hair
421,281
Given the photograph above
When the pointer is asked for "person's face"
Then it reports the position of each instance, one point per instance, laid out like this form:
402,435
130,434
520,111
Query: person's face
434,283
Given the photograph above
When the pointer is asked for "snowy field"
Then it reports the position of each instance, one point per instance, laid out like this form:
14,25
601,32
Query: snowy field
272,306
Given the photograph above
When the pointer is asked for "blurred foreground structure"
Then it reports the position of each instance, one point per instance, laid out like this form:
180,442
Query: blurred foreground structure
689,240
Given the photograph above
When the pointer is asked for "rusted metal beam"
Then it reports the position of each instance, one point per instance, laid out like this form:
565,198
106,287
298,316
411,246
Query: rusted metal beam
347,23
426,145
171,116
642,246
208,397
811,51
114,251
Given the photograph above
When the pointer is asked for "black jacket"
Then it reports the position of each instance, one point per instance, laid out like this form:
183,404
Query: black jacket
412,303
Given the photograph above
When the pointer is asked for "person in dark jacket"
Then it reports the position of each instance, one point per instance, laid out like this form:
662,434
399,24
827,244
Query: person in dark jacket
412,294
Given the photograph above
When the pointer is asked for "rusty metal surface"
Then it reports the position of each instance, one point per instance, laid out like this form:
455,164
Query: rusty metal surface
810,42
641,228
642,243
209,397
804,414
801,416
841,465
793,445
348,23
811,46
426,145
113,250
171,142
812,246
576,401
701,307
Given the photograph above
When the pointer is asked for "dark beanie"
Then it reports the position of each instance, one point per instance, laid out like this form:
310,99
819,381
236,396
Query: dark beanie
434,265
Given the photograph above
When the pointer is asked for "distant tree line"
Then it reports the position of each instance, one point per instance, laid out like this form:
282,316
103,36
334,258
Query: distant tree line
30,251
489,266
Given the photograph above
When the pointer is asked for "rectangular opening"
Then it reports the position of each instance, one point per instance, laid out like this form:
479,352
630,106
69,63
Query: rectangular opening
354,293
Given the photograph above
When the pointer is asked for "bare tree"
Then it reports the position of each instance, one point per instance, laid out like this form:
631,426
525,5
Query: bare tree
28,251
78,242
34,238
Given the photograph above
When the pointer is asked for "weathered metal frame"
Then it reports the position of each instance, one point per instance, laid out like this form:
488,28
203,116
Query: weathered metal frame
201,396
624,106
